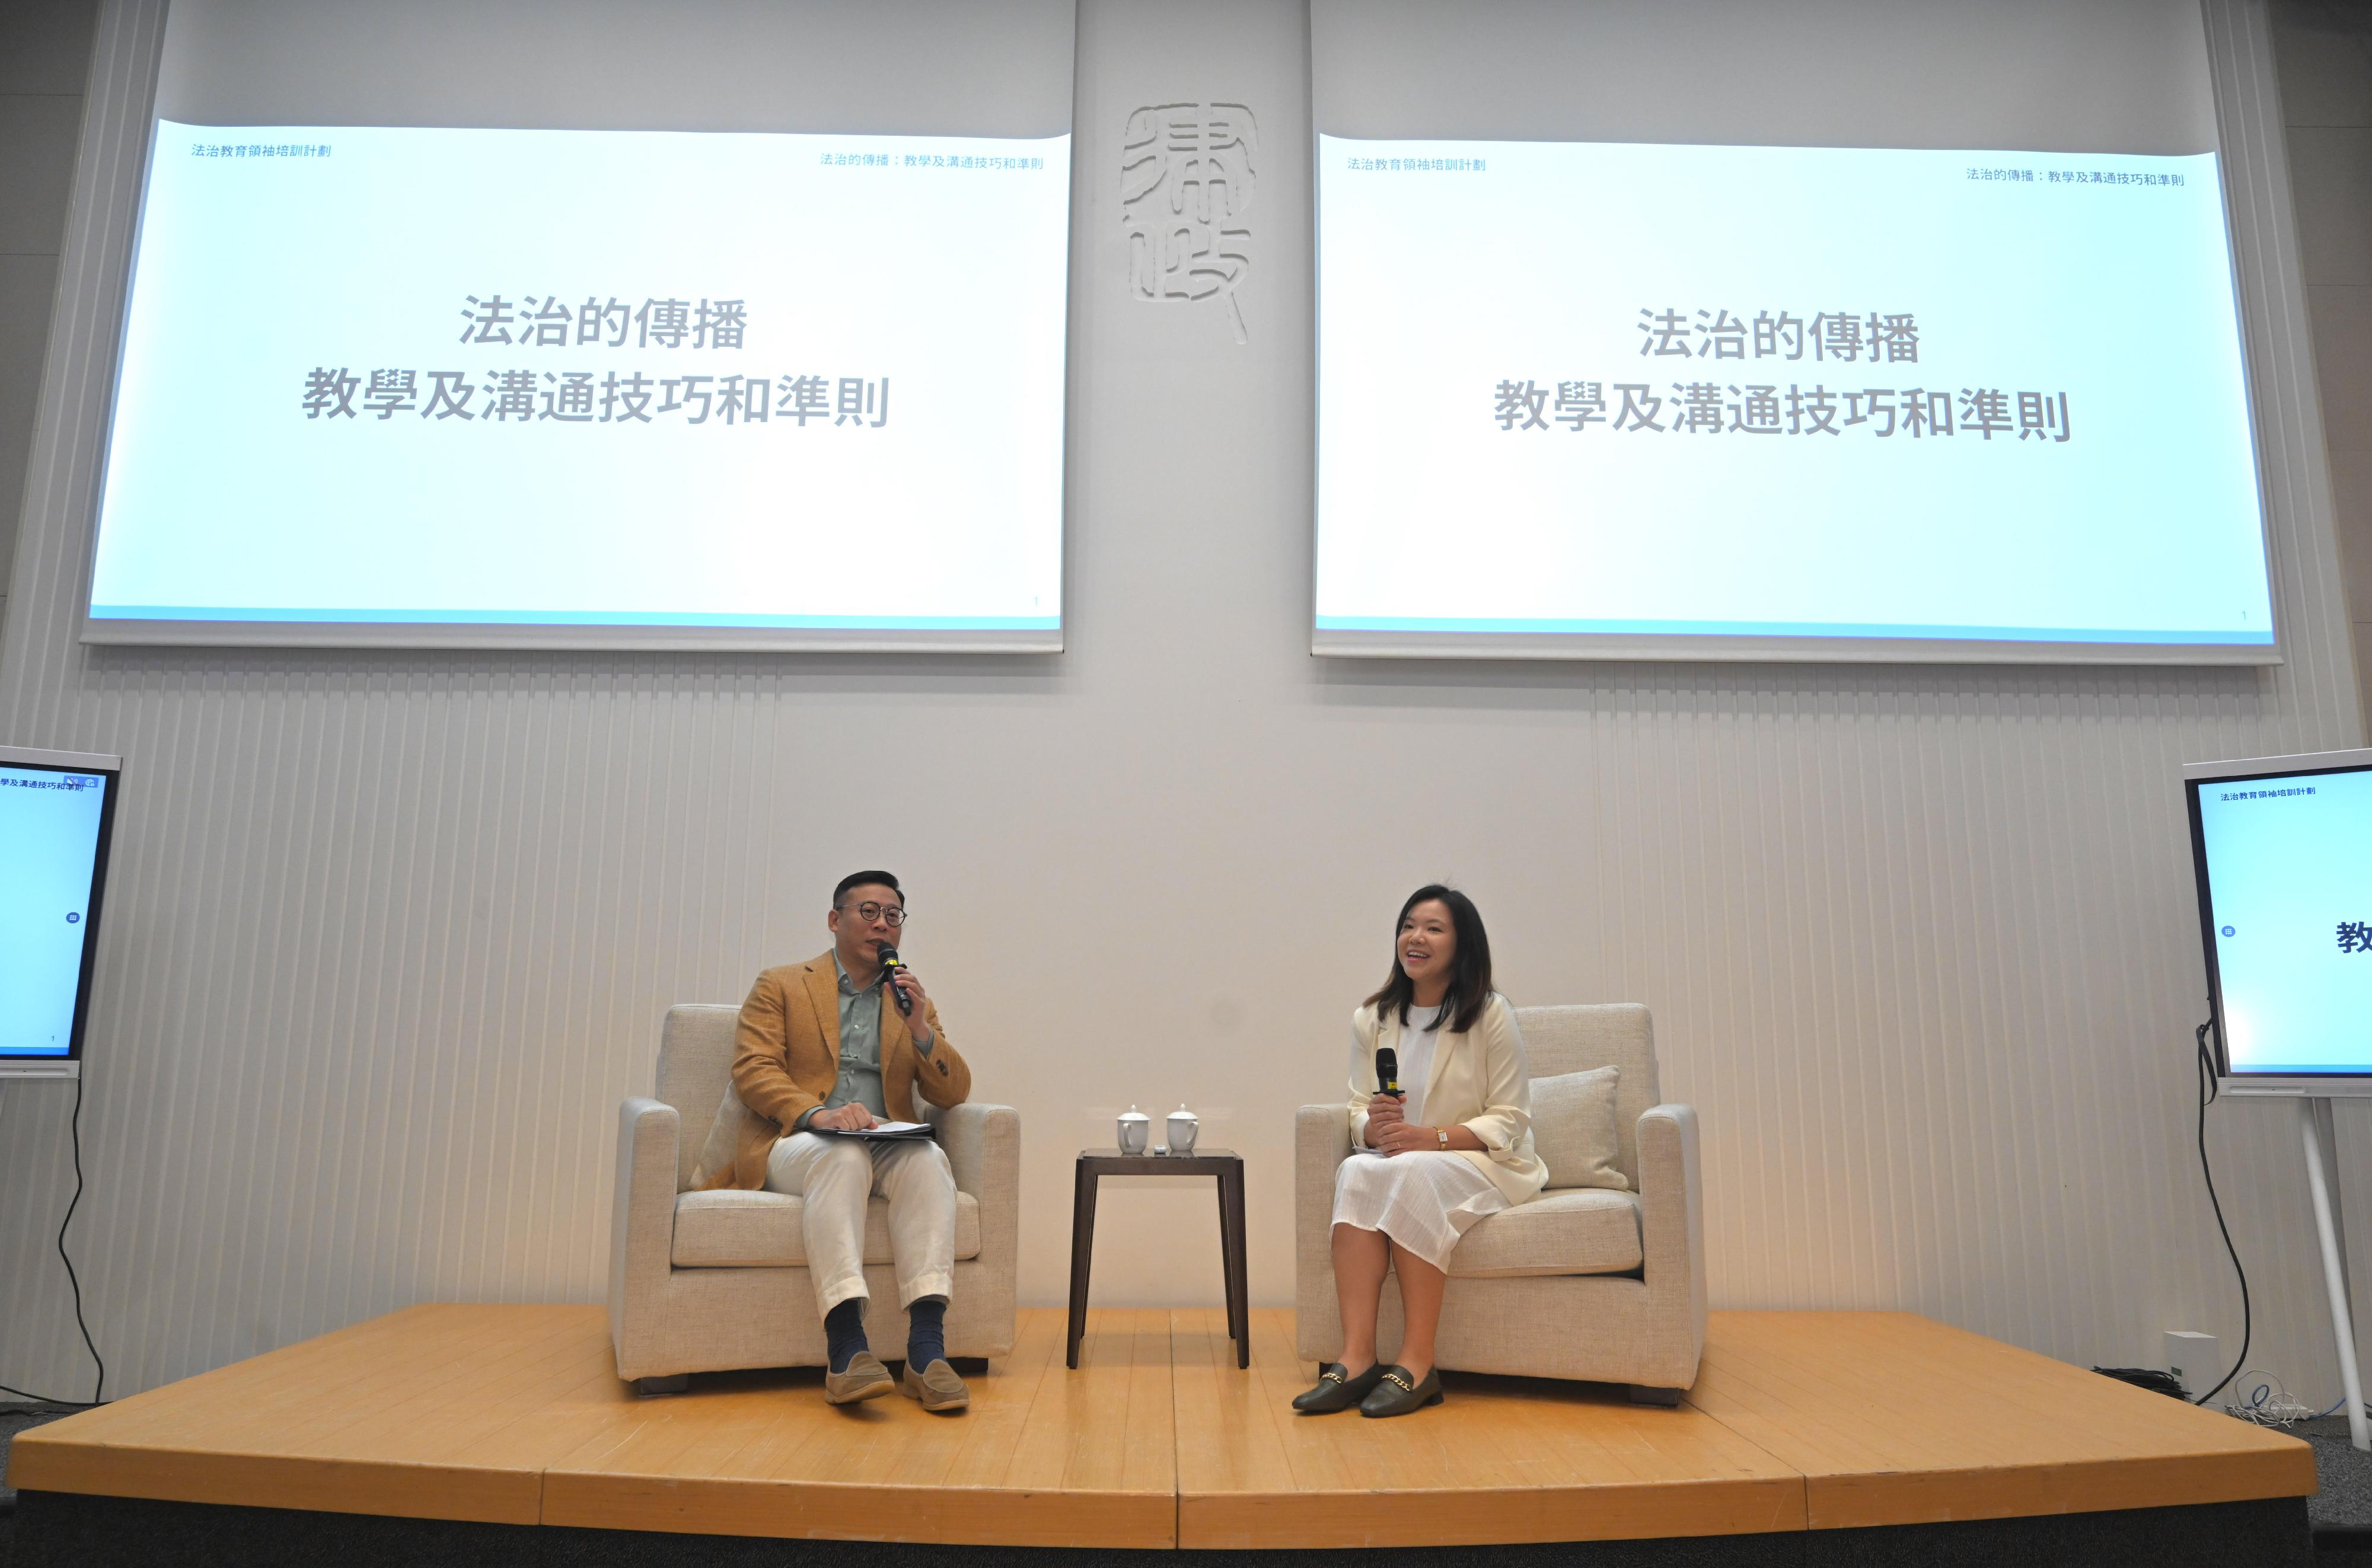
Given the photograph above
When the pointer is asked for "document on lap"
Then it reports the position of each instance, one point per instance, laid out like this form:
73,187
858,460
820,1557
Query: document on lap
879,1130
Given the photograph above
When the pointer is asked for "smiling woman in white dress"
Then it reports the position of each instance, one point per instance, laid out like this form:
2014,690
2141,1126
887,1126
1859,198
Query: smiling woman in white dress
1456,1146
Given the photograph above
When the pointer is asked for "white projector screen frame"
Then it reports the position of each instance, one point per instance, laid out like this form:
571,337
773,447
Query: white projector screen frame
1521,71
941,68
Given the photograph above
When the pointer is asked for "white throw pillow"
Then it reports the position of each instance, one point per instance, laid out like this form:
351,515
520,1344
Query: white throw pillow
1573,1128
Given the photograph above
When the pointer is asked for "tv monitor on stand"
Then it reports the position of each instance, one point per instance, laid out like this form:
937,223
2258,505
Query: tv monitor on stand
2282,847
57,815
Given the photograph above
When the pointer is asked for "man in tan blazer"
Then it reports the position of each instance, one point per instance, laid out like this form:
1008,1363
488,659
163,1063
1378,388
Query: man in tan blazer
821,1051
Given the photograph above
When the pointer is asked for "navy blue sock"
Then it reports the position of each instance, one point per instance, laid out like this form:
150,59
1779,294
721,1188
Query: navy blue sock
843,1329
926,1331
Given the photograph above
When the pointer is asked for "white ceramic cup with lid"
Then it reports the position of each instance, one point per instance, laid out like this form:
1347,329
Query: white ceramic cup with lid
1136,1128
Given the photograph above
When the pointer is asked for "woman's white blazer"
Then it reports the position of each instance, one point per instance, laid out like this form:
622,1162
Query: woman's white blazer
1478,1081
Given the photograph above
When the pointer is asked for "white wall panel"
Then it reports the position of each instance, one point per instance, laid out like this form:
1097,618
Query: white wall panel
389,934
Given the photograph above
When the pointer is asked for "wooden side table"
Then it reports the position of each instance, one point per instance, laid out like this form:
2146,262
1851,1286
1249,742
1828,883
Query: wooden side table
1094,1164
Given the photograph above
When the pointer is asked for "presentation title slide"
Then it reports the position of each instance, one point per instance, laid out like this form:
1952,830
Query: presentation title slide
392,375
573,397
1765,408
1803,393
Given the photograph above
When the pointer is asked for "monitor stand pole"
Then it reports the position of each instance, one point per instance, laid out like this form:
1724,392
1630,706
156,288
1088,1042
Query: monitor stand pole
2322,1182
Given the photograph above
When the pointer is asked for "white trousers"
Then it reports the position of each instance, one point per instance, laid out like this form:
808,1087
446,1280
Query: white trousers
836,1176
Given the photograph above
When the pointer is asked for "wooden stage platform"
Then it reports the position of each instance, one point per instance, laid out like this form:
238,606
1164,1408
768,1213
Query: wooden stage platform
1800,1421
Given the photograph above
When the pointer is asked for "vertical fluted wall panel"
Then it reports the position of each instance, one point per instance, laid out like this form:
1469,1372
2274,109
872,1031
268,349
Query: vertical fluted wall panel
389,935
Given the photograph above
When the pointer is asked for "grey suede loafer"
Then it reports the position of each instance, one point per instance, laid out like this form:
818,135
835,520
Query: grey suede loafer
1398,1393
936,1385
1337,1390
865,1378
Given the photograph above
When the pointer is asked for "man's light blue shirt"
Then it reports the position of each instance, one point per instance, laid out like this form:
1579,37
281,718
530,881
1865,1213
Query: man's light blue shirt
860,1051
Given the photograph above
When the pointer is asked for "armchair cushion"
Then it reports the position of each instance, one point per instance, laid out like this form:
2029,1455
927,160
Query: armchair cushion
1573,1128
1580,1230
732,1229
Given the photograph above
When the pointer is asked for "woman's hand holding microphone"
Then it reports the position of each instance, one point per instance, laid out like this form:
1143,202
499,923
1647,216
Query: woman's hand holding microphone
1391,1131
1388,1129
1398,1137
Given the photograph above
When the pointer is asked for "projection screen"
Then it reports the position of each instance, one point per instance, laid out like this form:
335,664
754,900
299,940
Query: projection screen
1843,330
565,325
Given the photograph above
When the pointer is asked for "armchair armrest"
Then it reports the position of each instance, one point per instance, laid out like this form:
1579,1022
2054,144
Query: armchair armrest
1321,1142
1671,1221
642,1234
983,1144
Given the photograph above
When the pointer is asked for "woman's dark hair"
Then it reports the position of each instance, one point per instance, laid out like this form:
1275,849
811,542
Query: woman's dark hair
1469,970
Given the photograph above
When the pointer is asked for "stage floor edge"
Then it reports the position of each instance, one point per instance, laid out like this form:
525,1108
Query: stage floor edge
1799,1421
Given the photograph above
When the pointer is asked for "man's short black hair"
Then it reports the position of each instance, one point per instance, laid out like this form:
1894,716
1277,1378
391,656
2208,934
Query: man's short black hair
859,878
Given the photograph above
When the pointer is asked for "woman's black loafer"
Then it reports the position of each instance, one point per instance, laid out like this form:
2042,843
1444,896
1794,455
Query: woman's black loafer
1337,1390
1397,1393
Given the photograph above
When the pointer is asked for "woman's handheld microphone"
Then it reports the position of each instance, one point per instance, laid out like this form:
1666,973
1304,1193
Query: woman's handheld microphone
1388,1070
891,964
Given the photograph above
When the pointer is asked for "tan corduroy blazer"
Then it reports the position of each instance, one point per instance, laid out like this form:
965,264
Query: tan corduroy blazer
786,1059
1479,1080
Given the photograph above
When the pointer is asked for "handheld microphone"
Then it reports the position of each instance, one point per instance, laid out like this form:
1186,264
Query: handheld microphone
1388,1070
891,964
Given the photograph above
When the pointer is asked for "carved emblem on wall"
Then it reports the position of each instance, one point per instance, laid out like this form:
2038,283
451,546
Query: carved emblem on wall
1185,179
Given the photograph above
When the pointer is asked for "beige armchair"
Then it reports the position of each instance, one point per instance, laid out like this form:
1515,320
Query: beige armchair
1582,1282
707,1282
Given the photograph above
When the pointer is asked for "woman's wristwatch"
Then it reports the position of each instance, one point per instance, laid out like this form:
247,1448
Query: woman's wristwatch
1443,1133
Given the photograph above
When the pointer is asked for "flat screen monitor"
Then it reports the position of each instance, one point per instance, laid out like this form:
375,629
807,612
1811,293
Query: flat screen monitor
57,812
2283,849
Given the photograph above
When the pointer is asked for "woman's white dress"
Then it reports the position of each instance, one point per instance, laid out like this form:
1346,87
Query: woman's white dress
1424,1201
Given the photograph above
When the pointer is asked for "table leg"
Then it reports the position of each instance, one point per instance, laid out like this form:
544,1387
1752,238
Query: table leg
1083,1246
1227,1244
1238,1280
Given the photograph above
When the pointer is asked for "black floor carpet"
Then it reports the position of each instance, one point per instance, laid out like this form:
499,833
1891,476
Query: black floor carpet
13,1420
2344,1501
111,1532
